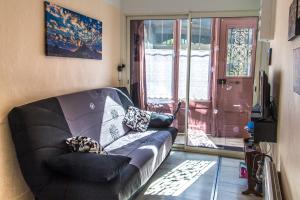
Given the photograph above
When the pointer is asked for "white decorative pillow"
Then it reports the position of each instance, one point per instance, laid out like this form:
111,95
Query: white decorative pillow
84,144
136,119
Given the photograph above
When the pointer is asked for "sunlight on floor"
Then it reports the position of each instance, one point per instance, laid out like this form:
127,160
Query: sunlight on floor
200,139
196,138
180,178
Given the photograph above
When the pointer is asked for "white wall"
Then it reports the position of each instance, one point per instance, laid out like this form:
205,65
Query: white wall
116,3
281,78
152,7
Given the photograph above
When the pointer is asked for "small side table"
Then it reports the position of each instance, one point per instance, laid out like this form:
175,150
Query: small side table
251,150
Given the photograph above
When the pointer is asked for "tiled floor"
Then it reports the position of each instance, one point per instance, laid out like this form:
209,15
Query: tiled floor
191,176
230,186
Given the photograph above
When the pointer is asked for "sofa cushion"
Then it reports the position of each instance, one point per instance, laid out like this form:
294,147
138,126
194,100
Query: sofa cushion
160,120
87,166
84,144
146,149
136,119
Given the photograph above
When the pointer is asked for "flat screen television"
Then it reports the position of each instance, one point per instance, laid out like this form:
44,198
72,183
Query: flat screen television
265,128
264,95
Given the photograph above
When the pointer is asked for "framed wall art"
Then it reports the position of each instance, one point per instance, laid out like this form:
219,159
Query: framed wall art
294,20
296,84
70,34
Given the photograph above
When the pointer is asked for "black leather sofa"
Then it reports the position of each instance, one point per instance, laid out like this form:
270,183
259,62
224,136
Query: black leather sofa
39,131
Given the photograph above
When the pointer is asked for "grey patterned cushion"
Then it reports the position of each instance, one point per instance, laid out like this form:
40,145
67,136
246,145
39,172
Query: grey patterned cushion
84,144
136,119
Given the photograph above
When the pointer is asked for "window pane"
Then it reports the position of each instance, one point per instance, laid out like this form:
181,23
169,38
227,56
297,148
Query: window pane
183,60
239,52
159,52
200,59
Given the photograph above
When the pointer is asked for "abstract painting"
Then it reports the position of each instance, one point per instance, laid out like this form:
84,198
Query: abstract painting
69,34
294,22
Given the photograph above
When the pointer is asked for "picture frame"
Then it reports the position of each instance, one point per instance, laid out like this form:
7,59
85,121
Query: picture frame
294,20
70,34
296,78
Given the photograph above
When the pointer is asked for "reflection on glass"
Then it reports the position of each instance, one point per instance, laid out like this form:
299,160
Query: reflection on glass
159,54
239,52
200,59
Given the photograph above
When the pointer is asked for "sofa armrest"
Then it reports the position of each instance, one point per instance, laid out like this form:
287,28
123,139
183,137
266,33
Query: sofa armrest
88,166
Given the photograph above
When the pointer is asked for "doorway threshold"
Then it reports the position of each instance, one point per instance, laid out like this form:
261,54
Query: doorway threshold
197,139
231,148
219,152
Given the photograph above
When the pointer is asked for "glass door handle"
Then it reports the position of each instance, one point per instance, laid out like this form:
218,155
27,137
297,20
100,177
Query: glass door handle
222,81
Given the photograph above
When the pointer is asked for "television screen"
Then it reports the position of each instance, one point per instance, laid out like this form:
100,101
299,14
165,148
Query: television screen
264,95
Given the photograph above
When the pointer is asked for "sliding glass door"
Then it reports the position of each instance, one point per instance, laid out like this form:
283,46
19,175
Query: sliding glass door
200,93
169,64
165,50
159,59
159,54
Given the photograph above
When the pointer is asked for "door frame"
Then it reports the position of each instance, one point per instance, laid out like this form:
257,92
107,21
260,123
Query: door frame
222,59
